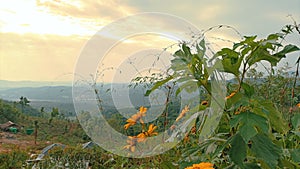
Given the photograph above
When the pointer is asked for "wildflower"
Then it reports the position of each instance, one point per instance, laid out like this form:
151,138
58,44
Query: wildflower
230,96
194,129
132,140
142,136
204,103
203,165
186,138
183,112
136,117
298,105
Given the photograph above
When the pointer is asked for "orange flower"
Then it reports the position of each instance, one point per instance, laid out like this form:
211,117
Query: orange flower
186,138
203,165
204,103
126,126
194,129
298,105
142,136
230,96
136,117
183,112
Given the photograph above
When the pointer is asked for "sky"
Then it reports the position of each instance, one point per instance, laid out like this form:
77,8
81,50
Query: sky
41,40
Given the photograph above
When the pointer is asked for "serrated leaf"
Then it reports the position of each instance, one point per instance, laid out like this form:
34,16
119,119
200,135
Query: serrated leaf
249,90
238,150
287,49
275,117
262,53
230,60
248,124
265,150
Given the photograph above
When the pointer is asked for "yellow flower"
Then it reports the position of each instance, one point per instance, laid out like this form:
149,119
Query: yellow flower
142,136
183,112
136,117
126,126
203,165
230,96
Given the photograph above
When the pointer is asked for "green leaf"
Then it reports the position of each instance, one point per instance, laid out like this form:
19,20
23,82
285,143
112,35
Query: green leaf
275,117
179,64
230,60
296,121
158,84
238,150
262,53
249,123
287,49
187,50
234,99
202,44
249,90
295,154
274,36
265,150
179,53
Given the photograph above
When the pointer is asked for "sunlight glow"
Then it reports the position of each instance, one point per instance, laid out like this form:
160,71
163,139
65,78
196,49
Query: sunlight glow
27,17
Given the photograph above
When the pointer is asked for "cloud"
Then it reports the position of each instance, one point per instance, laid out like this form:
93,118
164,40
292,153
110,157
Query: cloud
86,9
28,51
38,57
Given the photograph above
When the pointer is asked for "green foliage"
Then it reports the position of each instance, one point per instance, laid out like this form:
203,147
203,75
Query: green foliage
238,150
249,124
255,122
266,150
13,159
7,112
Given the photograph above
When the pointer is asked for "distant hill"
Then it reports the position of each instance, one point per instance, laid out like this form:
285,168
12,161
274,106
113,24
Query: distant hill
5,84
45,93
61,96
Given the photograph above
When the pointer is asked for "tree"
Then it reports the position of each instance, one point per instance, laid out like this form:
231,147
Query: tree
36,126
54,114
24,102
42,111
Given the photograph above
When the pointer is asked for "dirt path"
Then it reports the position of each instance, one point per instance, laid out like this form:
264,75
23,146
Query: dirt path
9,141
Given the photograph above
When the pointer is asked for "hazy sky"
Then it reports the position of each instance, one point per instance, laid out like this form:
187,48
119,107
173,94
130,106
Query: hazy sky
41,40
